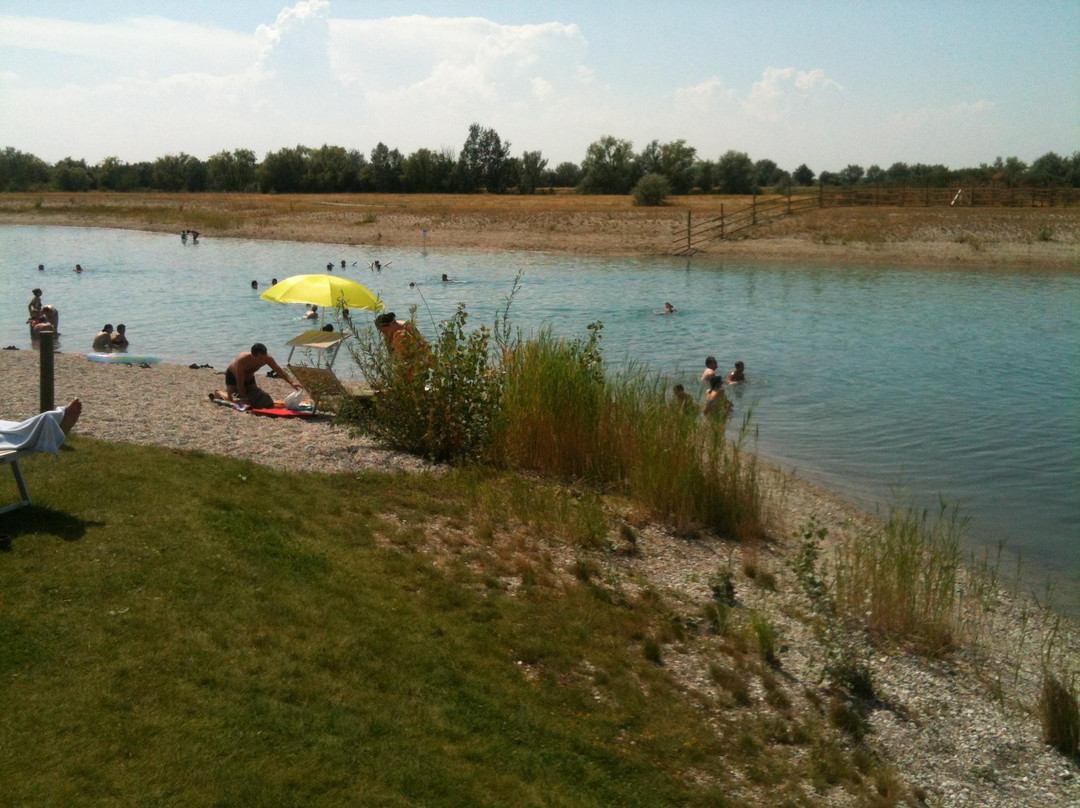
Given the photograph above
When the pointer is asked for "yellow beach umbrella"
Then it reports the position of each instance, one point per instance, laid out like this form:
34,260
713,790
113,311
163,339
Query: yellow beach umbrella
327,291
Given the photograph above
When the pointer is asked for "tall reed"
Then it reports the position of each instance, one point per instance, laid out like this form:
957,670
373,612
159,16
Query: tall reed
902,581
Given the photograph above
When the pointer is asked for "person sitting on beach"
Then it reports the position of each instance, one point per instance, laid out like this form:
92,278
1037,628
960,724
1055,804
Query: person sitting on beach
737,375
240,383
44,432
710,371
119,339
103,340
682,399
34,307
716,403
312,313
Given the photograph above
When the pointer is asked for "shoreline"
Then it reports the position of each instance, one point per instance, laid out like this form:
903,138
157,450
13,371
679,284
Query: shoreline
938,723
1009,239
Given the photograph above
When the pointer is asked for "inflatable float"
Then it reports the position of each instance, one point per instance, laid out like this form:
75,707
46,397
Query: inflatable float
123,358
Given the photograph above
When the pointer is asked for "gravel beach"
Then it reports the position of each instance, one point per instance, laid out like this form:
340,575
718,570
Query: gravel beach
167,405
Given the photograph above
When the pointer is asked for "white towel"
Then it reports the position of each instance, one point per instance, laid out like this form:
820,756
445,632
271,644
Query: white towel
42,433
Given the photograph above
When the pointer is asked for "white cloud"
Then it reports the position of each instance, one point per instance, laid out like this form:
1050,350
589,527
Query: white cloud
780,90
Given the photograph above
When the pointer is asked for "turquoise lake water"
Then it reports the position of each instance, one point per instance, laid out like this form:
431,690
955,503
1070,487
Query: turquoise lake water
875,382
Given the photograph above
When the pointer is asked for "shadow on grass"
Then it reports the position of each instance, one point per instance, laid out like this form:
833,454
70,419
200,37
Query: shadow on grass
35,519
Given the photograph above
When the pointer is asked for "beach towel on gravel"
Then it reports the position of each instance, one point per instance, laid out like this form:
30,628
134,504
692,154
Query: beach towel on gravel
235,405
283,412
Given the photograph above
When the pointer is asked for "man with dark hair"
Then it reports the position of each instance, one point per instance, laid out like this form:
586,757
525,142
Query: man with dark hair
737,375
119,339
709,372
240,383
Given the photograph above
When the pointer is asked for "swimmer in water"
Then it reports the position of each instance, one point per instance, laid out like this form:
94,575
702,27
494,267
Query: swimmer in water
78,268
669,309
254,284
737,375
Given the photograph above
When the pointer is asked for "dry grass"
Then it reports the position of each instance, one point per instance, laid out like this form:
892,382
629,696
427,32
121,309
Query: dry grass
573,223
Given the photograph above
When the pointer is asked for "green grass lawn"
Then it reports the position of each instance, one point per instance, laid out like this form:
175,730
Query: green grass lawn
179,629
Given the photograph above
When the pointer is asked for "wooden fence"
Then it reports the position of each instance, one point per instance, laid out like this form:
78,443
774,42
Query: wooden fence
696,235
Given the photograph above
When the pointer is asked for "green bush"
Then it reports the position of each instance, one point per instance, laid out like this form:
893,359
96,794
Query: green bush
651,190
439,404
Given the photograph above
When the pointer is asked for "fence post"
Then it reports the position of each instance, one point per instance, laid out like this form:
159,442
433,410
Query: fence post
47,348
721,221
821,194
688,215
753,209
789,200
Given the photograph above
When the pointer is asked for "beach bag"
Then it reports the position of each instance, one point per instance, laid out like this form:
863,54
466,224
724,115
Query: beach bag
294,400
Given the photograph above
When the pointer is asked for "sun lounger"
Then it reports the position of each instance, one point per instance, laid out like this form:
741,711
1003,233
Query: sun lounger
323,385
11,457
325,344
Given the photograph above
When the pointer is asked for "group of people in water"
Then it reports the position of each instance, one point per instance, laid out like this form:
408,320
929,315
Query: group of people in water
109,340
716,401
42,316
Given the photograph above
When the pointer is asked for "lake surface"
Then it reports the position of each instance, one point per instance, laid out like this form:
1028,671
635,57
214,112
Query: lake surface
875,382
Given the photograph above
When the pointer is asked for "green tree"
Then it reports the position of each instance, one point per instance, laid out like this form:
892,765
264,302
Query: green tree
609,167
384,169
20,171
766,173
565,175
1048,170
231,171
875,175
332,169
483,162
735,173
282,172
427,172
530,172
115,175
677,161
851,175
803,175
651,190
70,174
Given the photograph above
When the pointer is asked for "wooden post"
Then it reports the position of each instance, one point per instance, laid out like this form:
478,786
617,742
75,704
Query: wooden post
688,215
789,200
753,209
721,221
47,348
820,194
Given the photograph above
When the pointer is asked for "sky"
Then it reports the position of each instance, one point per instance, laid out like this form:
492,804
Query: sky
826,83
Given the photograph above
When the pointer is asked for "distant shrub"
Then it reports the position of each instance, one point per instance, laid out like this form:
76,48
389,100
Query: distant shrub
651,190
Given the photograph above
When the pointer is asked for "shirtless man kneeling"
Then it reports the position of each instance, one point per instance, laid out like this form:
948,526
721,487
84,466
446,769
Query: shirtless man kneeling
240,379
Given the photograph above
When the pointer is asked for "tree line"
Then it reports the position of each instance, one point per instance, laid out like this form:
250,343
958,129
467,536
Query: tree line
484,163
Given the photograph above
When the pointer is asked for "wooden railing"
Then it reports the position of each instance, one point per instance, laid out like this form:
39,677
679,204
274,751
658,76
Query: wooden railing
696,235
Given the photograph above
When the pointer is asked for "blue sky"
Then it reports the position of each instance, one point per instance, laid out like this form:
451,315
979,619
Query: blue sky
826,83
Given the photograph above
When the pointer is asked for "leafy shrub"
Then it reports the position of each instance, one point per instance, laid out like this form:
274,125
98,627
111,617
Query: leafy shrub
651,190
438,404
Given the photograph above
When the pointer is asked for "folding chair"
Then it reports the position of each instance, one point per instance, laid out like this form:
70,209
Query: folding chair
11,457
